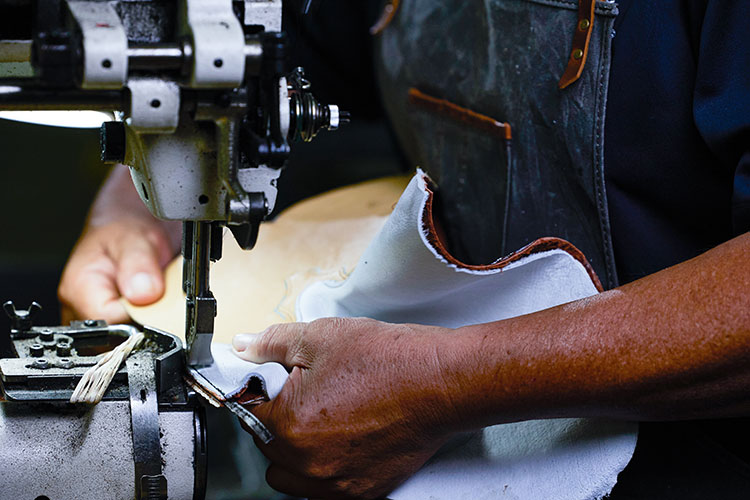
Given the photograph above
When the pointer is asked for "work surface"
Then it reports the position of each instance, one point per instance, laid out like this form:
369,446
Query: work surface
316,239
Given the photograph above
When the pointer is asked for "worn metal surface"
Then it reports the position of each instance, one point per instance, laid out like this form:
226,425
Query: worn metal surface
150,483
154,105
200,309
218,43
105,44
68,452
266,13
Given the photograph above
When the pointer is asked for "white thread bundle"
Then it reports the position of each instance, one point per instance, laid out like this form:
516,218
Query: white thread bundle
96,380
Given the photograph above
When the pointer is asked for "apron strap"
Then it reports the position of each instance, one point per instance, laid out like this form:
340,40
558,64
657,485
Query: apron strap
581,37
389,12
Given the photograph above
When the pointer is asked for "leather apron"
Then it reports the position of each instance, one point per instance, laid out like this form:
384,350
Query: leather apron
476,64
449,70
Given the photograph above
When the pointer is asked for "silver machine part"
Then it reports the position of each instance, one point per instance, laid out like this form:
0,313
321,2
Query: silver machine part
265,13
335,117
218,43
208,184
105,44
144,441
15,51
65,452
206,118
154,106
188,168
284,107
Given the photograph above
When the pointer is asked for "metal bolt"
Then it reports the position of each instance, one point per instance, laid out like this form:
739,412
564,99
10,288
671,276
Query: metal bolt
36,350
584,24
65,363
577,54
47,335
63,349
89,323
41,364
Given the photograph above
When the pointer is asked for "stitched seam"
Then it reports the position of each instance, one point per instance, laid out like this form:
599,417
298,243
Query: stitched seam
600,8
599,166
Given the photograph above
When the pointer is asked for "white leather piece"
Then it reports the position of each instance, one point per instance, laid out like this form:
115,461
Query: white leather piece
229,374
401,277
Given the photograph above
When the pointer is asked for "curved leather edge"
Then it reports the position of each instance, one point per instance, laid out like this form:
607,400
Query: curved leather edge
540,245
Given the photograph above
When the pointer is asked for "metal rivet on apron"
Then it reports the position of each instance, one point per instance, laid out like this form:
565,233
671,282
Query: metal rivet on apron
584,24
577,54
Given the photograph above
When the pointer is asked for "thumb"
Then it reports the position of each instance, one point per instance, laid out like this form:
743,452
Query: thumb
140,278
282,343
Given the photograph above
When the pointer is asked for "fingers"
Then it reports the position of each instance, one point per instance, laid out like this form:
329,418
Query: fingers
120,259
281,343
95,297
87,288
139,274
292,484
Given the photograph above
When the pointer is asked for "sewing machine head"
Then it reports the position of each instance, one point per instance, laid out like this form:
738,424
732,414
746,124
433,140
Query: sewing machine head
207,110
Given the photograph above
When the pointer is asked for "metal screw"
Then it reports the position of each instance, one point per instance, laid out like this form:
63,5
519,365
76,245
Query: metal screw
63,349
89,323
36,350
47,335
584,24
41,363
577,54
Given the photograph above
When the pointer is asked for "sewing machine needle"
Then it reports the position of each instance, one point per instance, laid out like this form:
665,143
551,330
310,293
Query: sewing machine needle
200,308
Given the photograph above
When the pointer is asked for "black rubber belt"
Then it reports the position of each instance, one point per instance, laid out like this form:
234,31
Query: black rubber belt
150,483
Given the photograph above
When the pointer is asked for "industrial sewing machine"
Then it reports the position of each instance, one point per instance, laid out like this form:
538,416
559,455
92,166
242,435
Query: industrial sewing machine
206,112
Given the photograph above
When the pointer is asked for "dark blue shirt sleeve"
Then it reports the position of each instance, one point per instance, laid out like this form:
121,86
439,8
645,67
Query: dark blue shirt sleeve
722,95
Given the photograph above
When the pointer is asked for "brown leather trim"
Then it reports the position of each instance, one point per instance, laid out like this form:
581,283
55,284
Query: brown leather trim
540,245
443,107
247,396
389,12
581,36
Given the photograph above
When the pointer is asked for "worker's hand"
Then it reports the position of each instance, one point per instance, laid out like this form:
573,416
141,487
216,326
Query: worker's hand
366,404
122,258
121,253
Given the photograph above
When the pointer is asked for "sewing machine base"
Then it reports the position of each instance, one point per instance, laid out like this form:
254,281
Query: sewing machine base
145,440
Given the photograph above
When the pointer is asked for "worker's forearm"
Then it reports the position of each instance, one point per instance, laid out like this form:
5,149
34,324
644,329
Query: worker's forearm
673,345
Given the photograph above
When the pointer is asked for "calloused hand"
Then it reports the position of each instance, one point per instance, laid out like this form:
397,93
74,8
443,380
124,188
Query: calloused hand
365,405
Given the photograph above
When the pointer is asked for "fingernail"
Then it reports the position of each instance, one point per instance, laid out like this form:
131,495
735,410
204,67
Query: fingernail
141,284
242,341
